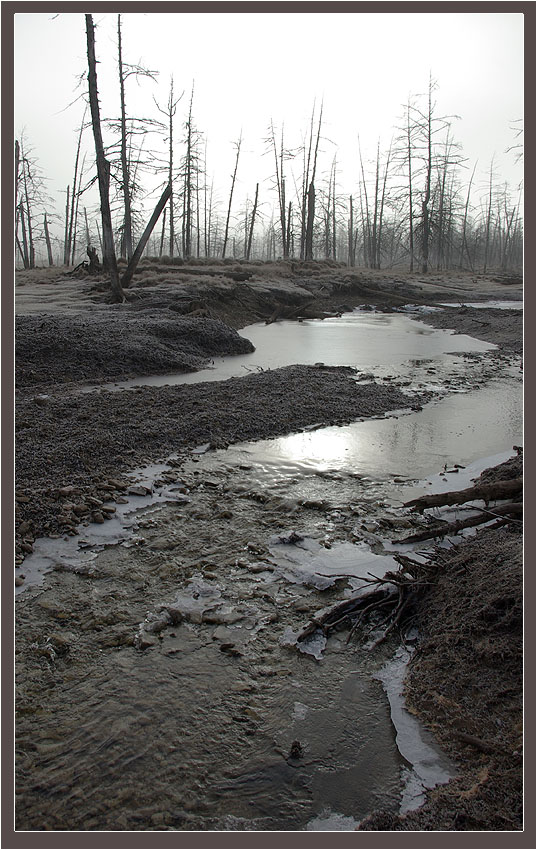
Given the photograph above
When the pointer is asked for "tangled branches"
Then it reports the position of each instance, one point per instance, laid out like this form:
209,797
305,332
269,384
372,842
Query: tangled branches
394,596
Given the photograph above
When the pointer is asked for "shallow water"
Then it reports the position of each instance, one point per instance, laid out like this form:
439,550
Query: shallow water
362,339
458,428
483,305
182,735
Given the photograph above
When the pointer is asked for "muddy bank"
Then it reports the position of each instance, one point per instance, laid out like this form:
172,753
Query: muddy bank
78,440
175,320
80,758
502,327
465,682
52,349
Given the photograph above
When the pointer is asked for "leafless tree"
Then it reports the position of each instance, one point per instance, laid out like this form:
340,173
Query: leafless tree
103,168
170,112
238,144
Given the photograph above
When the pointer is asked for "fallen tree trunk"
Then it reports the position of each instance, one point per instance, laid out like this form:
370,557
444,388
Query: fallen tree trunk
514,508
487,492
331,618
135,259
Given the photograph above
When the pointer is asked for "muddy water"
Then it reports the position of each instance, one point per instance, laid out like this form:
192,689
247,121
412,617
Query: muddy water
459,428
159,686
391,342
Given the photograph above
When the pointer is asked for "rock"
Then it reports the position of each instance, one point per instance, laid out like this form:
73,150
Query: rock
296,751
95,503
81,509
69,490
24,527
96,516
289,538
158,625
41,400
116,484
144,641
18,581
108,509
139,490
60,643
260,568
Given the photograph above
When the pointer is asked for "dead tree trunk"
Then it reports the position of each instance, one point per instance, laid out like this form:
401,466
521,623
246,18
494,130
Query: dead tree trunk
233,179
131,268
125,178
103,169
47,239
25,257
309,223
252,220
66,251
488,492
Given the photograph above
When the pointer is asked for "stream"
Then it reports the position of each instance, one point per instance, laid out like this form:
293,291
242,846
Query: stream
186,704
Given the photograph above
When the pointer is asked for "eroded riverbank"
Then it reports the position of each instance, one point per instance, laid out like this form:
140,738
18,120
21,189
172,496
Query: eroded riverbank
155,689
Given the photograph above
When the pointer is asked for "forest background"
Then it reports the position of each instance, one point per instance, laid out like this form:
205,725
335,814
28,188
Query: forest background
378,113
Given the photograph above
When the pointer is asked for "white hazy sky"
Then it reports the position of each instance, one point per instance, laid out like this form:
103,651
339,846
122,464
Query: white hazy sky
251,67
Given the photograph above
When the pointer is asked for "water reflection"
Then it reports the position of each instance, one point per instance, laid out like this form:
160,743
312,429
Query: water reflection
363,340
457,429
327,447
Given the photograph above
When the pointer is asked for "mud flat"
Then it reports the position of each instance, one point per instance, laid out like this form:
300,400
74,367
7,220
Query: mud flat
198,586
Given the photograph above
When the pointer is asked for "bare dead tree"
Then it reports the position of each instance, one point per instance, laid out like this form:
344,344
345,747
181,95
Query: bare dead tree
103,168
135,259
488,220
464,243
252,222
350,235
47,239
170,112
310,182
233,179
190,170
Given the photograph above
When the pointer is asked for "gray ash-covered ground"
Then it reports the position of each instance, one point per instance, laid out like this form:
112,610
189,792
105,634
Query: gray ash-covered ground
52,349
82,438
502,327
466,679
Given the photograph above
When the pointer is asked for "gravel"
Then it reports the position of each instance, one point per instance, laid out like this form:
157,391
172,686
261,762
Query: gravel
116,343
76,439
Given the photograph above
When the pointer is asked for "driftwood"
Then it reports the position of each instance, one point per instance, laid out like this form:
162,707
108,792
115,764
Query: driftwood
512,509
486,492
285,312
340,612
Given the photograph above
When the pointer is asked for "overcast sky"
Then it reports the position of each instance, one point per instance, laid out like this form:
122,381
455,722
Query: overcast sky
250,68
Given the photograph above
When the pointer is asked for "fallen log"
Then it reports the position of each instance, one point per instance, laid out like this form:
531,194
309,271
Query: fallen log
513,508
486,492
285,312
334,616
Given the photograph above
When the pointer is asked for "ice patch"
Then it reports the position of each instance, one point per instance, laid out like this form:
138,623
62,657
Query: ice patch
308,562
331,822
430,767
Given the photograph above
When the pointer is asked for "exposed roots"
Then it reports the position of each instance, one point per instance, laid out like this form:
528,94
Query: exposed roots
395,595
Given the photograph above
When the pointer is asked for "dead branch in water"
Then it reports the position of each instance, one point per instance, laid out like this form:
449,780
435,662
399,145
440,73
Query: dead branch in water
511,510
486,492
